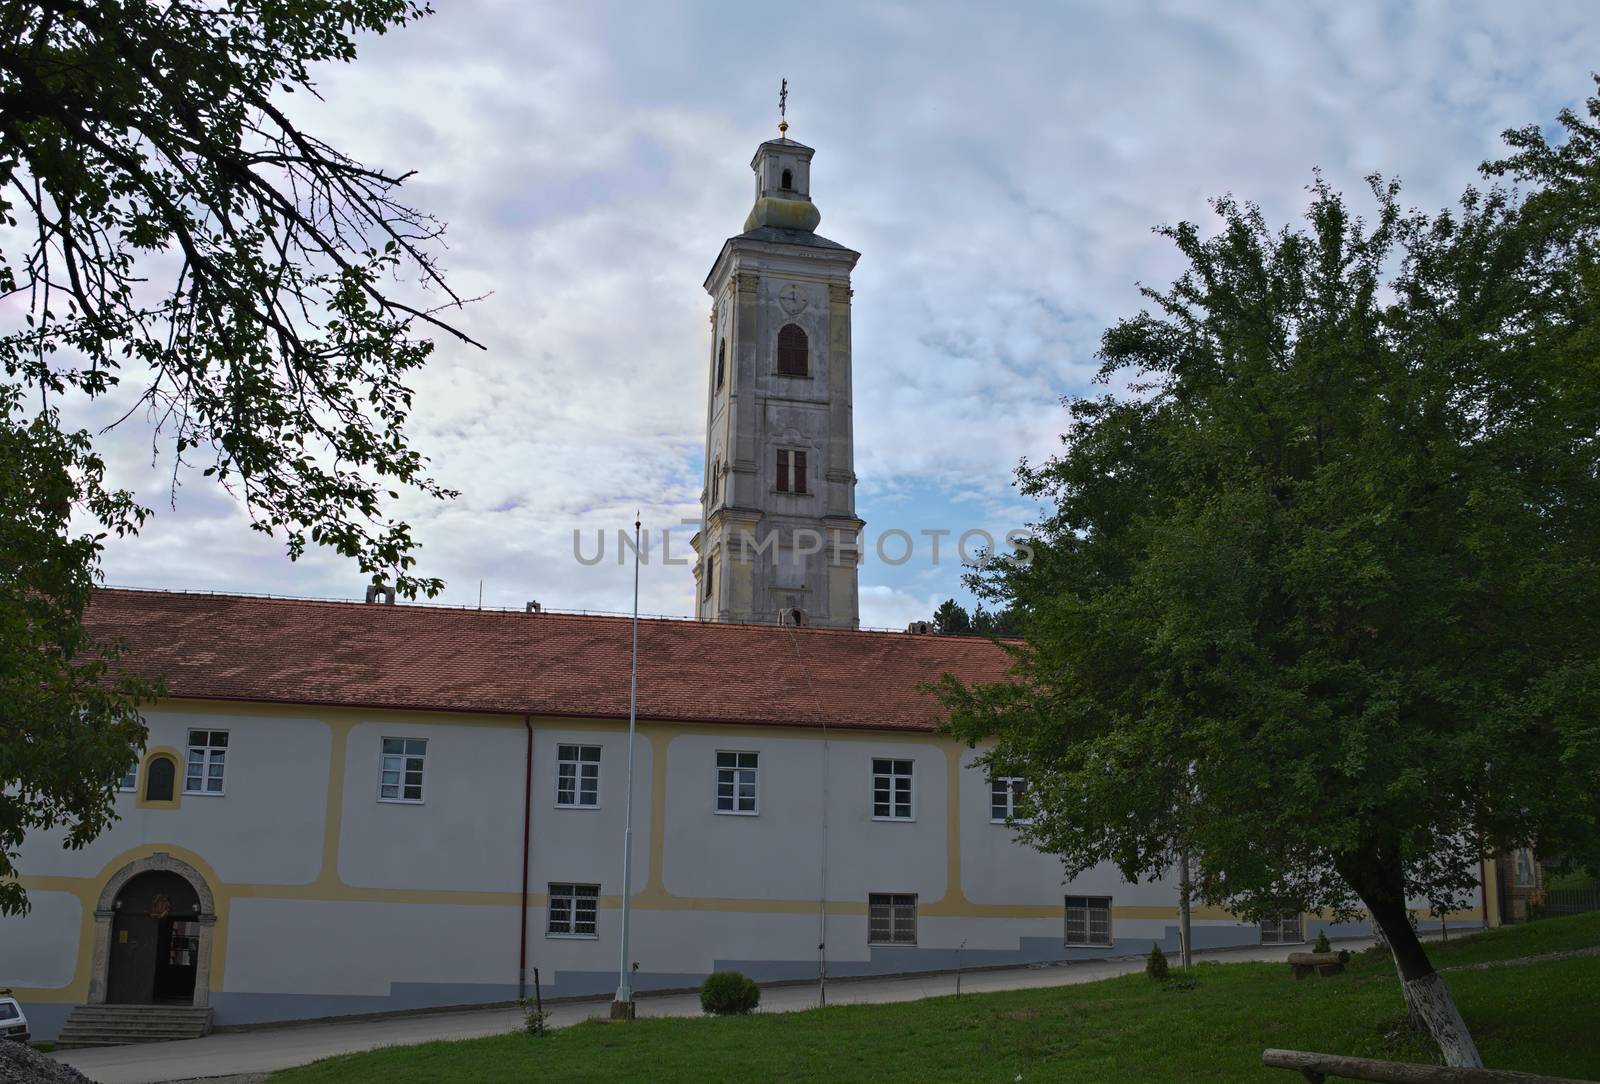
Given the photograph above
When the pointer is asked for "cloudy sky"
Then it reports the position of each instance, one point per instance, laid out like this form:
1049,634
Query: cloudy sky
999,166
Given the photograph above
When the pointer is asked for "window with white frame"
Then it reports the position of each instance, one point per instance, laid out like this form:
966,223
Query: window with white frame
891,789
130,778
1282,928
1088,920
572,910
1007,796
400,771
891,918
578,776
208,754
736,782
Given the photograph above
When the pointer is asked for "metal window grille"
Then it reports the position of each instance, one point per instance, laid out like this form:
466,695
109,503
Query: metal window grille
892,918
1088,920
572,910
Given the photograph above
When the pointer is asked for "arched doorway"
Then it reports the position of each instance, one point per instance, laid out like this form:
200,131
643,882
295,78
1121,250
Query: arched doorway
153,935
155,941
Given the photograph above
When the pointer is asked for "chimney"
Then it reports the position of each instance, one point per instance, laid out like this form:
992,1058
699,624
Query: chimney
374,590
920,628
534,608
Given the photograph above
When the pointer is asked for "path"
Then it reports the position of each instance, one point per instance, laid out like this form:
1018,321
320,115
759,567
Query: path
243,1053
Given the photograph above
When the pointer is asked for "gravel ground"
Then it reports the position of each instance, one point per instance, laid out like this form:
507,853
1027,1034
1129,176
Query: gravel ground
21,1064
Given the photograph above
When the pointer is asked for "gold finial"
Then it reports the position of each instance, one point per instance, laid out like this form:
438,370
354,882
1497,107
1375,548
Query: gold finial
783,109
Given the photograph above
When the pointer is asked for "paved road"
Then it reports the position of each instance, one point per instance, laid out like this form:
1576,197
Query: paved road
241,1053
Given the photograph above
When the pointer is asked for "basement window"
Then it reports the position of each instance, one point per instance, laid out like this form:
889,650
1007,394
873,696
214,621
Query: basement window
572,911
1282,928
892,918
578,776
1088,920
400,769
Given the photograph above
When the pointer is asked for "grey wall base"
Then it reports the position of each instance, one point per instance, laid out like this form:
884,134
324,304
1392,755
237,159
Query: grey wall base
245,1009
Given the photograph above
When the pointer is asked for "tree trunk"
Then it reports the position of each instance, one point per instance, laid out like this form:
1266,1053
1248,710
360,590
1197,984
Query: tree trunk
1378,881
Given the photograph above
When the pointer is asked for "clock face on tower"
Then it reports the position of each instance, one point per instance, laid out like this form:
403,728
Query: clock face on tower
793,299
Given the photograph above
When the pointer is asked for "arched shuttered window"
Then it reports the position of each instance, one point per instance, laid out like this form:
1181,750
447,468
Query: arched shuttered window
794,352
159,778
722,363
788,179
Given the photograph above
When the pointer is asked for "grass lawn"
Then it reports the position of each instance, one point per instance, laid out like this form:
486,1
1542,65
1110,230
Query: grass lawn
1210,1027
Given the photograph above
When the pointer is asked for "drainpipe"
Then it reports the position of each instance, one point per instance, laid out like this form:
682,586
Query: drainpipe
527,814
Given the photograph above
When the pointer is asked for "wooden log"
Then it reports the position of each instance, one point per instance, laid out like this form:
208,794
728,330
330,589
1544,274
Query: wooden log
1319,1067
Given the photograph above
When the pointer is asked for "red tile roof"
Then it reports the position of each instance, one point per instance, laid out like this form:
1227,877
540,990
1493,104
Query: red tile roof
230,647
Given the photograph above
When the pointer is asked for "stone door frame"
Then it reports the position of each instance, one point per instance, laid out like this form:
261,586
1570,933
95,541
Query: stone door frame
105,912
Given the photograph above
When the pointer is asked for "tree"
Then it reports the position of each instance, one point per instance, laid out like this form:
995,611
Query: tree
952,619
171,224
1315,597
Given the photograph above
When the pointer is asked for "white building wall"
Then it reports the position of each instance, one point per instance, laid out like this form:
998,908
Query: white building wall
418,904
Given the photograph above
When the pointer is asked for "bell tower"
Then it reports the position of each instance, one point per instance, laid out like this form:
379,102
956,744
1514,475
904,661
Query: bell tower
779,541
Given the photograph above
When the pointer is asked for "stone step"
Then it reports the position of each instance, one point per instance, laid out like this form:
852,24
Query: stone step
117,1025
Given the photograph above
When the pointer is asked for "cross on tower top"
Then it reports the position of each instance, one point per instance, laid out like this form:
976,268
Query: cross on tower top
783,108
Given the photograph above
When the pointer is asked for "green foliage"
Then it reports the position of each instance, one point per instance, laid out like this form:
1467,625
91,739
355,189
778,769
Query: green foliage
1119,1031
729,993
1315,597
1315,600
68,722
1155,965
169,223
535,1021
1322,944
952,619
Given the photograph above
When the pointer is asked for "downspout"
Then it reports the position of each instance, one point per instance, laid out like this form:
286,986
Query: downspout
527,814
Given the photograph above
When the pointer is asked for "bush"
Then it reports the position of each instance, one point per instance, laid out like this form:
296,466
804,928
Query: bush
534,1019
729,993
1156,965
1322,942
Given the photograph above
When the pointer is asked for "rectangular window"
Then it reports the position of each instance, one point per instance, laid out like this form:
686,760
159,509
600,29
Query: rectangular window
710,565
208,753
891,918
1088,920
891,789
1007,796
572,910
400,769
1281,929
130,778
736,782
578,776
791,471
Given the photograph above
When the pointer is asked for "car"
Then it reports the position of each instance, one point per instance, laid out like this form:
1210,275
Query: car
13,1021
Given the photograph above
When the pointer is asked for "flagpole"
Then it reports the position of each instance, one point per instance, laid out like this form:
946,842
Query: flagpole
622,1007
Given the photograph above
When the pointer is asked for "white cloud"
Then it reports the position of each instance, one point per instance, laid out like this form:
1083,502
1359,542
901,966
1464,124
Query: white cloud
999,169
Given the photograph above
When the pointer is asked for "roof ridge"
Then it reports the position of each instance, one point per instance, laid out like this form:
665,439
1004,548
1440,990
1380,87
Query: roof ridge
545,614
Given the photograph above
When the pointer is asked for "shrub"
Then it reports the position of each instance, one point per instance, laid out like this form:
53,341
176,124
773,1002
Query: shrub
534,1019
729,993
1156,965
1322,942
